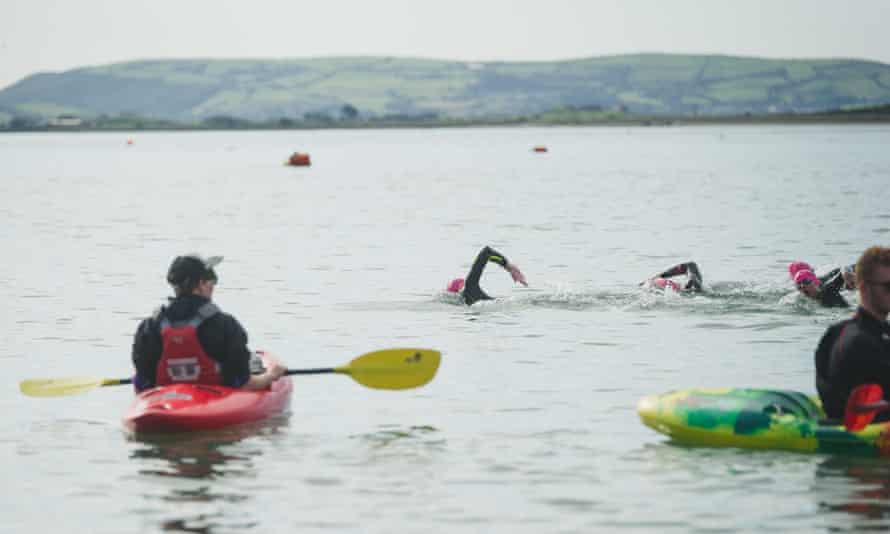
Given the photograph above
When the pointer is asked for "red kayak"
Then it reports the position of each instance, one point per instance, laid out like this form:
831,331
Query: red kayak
190,407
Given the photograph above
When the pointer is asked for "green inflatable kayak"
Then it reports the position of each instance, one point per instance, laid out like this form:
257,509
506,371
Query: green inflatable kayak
757,419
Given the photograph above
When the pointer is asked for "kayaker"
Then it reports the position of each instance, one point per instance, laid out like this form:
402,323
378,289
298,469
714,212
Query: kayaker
856,351
469,288
663,279
192,340
826,288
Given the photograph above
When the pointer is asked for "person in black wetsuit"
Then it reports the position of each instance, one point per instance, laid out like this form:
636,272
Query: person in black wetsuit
663,279
469,288
826,288
190,340
856,351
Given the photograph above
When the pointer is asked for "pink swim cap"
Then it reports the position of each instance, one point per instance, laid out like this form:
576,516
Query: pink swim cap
796,266
805,277
455,285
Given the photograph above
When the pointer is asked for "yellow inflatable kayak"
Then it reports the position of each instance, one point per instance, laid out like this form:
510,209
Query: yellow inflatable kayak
757,419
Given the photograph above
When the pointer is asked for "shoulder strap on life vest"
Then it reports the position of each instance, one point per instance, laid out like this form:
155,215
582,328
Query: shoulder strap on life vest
205,312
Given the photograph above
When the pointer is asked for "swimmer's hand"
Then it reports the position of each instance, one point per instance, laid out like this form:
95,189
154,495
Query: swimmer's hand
516,274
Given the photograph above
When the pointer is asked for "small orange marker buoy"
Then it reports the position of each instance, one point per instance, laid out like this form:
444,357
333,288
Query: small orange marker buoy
540,148
299,159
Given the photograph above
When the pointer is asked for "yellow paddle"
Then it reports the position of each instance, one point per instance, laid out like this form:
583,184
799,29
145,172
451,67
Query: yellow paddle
382,369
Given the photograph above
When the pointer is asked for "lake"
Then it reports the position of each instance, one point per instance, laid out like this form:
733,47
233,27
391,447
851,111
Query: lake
530,424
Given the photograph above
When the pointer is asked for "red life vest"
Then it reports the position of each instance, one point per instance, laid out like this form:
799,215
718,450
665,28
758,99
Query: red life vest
183,359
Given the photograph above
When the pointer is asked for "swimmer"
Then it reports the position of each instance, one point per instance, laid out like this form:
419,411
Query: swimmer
469,289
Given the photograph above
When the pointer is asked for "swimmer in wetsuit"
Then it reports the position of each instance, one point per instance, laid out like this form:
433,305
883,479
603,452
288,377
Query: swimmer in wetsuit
469,288
663,279
826,288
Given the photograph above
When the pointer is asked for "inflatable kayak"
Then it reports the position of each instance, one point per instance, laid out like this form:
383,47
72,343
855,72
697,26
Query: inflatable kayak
191,407
757,419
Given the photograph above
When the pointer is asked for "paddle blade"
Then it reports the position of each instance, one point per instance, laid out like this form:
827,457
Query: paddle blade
58,387
855,417
393,368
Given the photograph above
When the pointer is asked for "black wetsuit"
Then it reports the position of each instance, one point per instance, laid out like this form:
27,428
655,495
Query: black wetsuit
688,268
852,352
472,292
830,285
221,335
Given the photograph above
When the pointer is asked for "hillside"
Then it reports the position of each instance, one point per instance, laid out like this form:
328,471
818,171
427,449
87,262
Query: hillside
651,84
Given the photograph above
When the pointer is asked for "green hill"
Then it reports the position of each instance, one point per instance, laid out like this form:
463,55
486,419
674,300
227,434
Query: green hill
650,84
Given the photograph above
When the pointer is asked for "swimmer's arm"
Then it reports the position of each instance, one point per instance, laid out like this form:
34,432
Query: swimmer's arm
472,291
832,281
676,270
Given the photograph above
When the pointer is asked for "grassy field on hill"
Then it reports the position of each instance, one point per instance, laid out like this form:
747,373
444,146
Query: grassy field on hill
192,91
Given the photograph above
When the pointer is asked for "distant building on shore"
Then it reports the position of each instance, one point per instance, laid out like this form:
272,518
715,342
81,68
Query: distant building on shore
66,121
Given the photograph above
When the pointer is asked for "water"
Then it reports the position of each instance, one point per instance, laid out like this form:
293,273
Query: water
530,424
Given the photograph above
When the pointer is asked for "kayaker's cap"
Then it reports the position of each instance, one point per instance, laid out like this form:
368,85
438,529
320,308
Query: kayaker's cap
186,271
796,266
455,285
805,277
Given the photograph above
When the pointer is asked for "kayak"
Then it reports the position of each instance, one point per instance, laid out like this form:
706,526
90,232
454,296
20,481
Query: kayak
192,407
757,419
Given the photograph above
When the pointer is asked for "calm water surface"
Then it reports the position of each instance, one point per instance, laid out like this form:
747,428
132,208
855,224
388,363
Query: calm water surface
530,424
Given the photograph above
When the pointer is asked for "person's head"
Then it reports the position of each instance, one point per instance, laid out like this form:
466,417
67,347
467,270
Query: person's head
193,274
455,285
807,282
873,280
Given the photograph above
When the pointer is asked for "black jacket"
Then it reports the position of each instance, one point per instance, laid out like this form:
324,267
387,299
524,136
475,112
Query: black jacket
222,337
851,353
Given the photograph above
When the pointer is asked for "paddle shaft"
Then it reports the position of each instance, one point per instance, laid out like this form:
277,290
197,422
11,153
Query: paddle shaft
117,381
316,371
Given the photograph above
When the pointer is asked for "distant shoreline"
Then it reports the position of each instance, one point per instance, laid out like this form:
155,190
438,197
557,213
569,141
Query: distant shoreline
140,124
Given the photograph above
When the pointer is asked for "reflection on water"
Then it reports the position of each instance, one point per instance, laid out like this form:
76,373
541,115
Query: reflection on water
201,525
202,454
391,435
204,461
859,488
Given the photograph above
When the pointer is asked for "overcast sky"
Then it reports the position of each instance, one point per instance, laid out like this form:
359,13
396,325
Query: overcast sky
56,35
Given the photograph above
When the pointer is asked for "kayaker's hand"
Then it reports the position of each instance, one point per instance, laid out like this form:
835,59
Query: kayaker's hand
273,367
276,370
516,274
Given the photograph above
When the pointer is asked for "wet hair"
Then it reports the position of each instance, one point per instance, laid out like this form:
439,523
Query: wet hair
872,258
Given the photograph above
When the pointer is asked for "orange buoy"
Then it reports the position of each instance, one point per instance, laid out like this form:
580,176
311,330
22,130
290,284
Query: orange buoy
299,159
540,148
